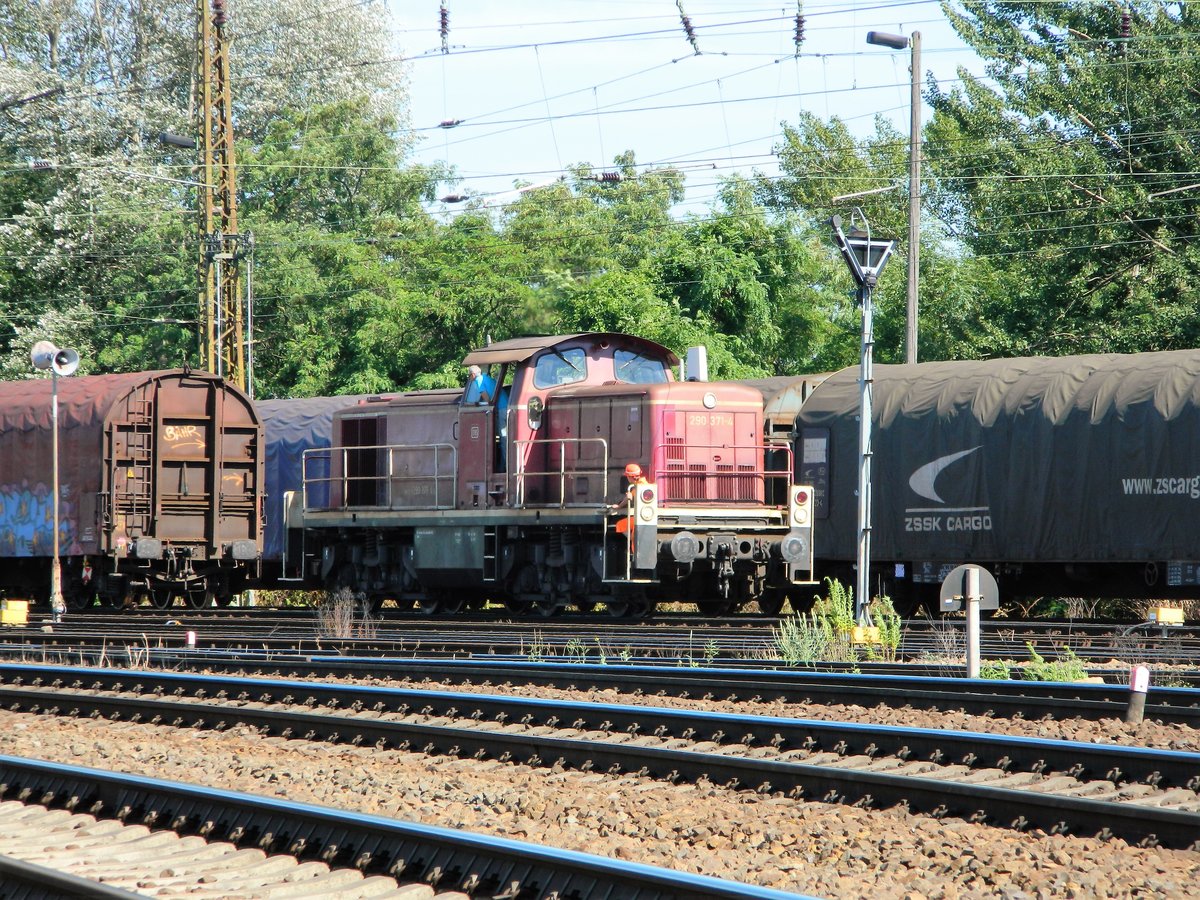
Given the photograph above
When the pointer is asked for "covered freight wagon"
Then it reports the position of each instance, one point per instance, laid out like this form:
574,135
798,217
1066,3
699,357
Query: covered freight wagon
160,484
1078,474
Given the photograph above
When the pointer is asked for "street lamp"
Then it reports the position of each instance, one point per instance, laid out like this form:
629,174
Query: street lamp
900,42
45,355
866,257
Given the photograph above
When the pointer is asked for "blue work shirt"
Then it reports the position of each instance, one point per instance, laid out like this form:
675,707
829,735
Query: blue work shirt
481,384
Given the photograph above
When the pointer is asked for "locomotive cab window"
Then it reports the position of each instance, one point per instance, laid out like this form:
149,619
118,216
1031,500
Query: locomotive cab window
558,367
633,368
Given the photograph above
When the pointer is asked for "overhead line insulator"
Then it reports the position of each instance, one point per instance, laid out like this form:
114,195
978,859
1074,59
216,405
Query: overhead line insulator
798,37
444,26
687,27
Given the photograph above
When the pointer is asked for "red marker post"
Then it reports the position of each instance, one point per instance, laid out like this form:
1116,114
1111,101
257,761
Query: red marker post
1139,685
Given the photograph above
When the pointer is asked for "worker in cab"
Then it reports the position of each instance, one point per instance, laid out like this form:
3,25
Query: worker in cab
481,387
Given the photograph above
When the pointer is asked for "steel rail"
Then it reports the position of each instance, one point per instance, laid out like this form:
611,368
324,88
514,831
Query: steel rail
20,880
447,859
982,803
986,697
1110,762
1029,699
489,632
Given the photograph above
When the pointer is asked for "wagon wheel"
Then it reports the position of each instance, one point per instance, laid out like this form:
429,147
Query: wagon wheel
199,598
453,602
430,604
79,596
373,603
161,597
518,606
440,600
548,606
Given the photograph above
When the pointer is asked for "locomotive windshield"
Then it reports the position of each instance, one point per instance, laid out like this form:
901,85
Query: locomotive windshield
633,368
559,367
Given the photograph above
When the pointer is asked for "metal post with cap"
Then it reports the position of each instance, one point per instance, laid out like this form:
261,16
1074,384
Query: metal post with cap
900,42
45,355
865,258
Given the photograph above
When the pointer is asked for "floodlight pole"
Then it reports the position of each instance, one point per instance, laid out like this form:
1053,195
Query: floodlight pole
900,42
866,262
57,605
44,355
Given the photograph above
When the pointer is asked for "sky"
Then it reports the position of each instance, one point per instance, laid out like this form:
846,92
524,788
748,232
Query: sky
541,85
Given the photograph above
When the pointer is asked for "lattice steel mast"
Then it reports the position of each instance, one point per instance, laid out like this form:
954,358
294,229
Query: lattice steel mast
223,338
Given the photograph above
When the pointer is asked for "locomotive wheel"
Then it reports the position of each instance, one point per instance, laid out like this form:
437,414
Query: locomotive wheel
548,607
525,592
771,601
628,603
716,607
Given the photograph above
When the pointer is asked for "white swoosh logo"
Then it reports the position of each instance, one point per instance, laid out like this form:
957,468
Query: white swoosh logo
922,479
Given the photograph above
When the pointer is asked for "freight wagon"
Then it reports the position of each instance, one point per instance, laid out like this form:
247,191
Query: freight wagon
160,488
1072,476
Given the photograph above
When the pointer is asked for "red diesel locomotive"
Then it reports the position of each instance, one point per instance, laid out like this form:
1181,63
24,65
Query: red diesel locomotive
521,498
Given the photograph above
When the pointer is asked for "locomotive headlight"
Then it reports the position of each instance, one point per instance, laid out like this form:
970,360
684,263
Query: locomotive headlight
710,400
794,548
646,513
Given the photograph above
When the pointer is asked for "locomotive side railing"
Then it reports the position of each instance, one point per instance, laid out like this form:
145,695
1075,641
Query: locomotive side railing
575,477
681,481
413,476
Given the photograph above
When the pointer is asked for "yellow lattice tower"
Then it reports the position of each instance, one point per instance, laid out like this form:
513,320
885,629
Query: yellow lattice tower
222,245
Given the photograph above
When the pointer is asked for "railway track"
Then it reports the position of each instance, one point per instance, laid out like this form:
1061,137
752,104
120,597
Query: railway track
1147,797
1017,699
144,836
933,644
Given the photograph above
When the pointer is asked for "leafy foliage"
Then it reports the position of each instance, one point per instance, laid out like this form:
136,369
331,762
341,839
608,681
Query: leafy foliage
1071,176
1066,668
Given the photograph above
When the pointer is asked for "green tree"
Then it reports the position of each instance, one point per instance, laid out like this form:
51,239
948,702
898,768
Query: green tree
1070,173
112,225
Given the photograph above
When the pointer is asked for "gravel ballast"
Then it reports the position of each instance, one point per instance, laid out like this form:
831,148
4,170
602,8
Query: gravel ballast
802,846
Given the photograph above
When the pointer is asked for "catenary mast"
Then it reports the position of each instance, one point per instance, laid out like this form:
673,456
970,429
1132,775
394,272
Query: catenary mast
223,336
